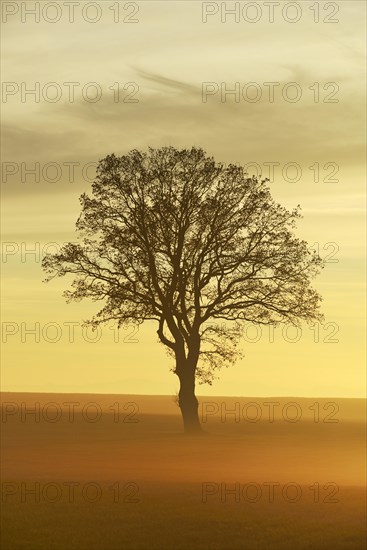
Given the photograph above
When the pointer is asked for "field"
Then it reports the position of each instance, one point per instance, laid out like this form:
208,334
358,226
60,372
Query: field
114,472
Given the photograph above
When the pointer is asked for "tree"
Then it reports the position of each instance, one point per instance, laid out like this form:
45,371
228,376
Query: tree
172,236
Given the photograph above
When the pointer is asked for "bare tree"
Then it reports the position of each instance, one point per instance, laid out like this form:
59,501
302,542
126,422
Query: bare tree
172,236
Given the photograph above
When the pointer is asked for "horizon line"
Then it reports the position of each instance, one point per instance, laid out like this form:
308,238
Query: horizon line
198,395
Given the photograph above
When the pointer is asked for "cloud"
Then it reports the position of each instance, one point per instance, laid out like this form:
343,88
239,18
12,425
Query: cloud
168,82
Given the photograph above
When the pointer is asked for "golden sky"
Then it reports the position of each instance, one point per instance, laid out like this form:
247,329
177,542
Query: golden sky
163,61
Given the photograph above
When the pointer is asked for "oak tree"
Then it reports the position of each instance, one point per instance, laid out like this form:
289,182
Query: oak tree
198,247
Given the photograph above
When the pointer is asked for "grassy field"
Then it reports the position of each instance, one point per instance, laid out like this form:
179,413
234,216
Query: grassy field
132,481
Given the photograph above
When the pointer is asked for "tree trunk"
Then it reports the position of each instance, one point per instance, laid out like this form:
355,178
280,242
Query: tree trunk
188,402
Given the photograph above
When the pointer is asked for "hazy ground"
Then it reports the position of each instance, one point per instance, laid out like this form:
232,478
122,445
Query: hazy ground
292,481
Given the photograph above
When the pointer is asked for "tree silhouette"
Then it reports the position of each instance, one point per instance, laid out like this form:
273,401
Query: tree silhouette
172,236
